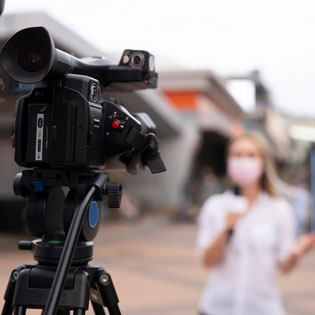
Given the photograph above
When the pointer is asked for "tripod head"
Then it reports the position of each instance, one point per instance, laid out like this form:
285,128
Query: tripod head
53,195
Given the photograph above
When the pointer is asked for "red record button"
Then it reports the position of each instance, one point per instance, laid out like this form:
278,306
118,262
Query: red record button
115,124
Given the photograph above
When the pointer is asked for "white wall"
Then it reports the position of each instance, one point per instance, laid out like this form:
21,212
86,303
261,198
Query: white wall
165,189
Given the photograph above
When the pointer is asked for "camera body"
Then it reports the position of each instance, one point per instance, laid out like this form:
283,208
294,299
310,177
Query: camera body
64,122
69,125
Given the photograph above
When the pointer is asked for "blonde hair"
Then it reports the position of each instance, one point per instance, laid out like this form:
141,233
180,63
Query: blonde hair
269,179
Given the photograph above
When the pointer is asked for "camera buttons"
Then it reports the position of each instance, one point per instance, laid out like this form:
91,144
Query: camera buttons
115,124
118,124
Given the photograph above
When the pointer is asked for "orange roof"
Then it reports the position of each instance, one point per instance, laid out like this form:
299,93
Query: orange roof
183,100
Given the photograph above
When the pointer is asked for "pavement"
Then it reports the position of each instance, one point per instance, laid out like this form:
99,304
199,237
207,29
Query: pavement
153,264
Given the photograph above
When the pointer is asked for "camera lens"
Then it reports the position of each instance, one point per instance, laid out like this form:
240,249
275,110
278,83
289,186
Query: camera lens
137,60
31,60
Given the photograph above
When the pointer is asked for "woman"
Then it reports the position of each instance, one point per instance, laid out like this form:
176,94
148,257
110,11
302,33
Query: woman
246,235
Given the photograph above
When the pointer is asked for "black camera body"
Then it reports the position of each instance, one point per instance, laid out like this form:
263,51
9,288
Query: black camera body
63,121
69,125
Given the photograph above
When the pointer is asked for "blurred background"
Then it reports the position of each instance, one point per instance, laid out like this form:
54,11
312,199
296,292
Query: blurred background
224,67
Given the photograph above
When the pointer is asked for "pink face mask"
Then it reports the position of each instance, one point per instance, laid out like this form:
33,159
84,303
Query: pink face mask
245,171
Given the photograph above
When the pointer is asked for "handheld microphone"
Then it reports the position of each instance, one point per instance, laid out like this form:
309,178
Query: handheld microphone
236,190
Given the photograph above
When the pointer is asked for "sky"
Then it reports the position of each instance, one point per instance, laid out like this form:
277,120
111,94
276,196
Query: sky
229,37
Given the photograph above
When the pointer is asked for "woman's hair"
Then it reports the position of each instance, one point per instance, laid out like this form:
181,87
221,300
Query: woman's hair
269,179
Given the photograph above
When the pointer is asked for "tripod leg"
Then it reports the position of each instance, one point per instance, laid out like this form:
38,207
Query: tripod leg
8,307
20,310
108,293
114,309
9,293
98,309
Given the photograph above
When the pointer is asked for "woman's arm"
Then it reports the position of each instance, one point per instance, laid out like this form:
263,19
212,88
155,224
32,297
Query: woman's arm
287,265
214,253
304,244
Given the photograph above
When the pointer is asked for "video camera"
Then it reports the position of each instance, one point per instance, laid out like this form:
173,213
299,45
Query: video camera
64,122
62,131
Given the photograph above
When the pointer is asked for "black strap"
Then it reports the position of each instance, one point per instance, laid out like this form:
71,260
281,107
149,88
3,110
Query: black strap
136,139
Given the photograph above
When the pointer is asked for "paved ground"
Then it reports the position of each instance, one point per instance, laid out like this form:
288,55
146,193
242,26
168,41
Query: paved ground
155,271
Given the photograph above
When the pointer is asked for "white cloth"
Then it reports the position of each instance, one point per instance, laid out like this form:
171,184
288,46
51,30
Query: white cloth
244,283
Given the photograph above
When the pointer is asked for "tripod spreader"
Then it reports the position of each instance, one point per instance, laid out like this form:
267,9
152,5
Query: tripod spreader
29,286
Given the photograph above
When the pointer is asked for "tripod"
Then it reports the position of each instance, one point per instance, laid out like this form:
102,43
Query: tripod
62,210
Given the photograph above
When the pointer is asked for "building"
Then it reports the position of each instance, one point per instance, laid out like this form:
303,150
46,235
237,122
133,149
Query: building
208,116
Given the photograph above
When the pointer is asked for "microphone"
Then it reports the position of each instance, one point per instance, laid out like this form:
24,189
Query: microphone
236,190
238,204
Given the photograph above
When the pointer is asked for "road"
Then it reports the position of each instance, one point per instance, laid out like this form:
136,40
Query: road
155,270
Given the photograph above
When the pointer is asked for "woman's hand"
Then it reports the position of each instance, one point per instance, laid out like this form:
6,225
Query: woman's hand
231,219
213,255
304,244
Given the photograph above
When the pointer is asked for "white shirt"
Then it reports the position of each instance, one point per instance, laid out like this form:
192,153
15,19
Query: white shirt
244,283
